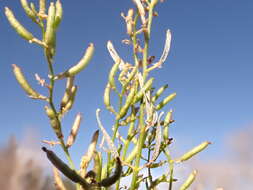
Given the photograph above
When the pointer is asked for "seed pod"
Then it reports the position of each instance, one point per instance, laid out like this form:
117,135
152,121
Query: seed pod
112,75
74,130
128,103
25,85
159,92
58,13
193,151
107,96
166,125
67,94
80,65
115,176
42,7
28,10
97,168
21,30
146,87
131,75
189,181
50,30
129,21
71,100
64,168
54,121
165,101
89,154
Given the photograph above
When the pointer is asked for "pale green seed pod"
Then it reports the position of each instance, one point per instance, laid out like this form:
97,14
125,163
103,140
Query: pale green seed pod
71,100
112,75
165,101
42,7
159,92
50,29
129,21
129,101
166,125
74,130
193,151
80,65
30,13
25,85
21,30
189,181
97,168
146,87
107,91
58,13
54,122
67,93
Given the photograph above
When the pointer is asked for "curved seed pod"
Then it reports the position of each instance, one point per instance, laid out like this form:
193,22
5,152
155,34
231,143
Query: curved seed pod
89,154
166,49
28,10
80,65
189,181
165,101
146,87
21,30
159,92
193,151
129,101
97,168
25,85
64,168
50,30
58,13
71,100
112,75
74,130
115,176
166,125
67,94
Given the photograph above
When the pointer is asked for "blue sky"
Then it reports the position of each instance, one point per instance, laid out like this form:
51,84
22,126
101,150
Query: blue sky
209,66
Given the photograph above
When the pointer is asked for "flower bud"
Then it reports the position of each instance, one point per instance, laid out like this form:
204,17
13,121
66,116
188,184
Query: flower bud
21,30
165,101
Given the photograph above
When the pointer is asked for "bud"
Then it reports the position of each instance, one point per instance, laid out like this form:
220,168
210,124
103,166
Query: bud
21,30
74,130
80,65
25,85
189,181
194,151
165,101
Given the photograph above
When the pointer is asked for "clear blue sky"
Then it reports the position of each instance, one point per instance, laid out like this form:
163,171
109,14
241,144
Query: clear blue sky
210,67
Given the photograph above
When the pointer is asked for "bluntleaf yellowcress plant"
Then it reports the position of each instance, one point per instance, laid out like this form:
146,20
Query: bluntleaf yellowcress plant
137,107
